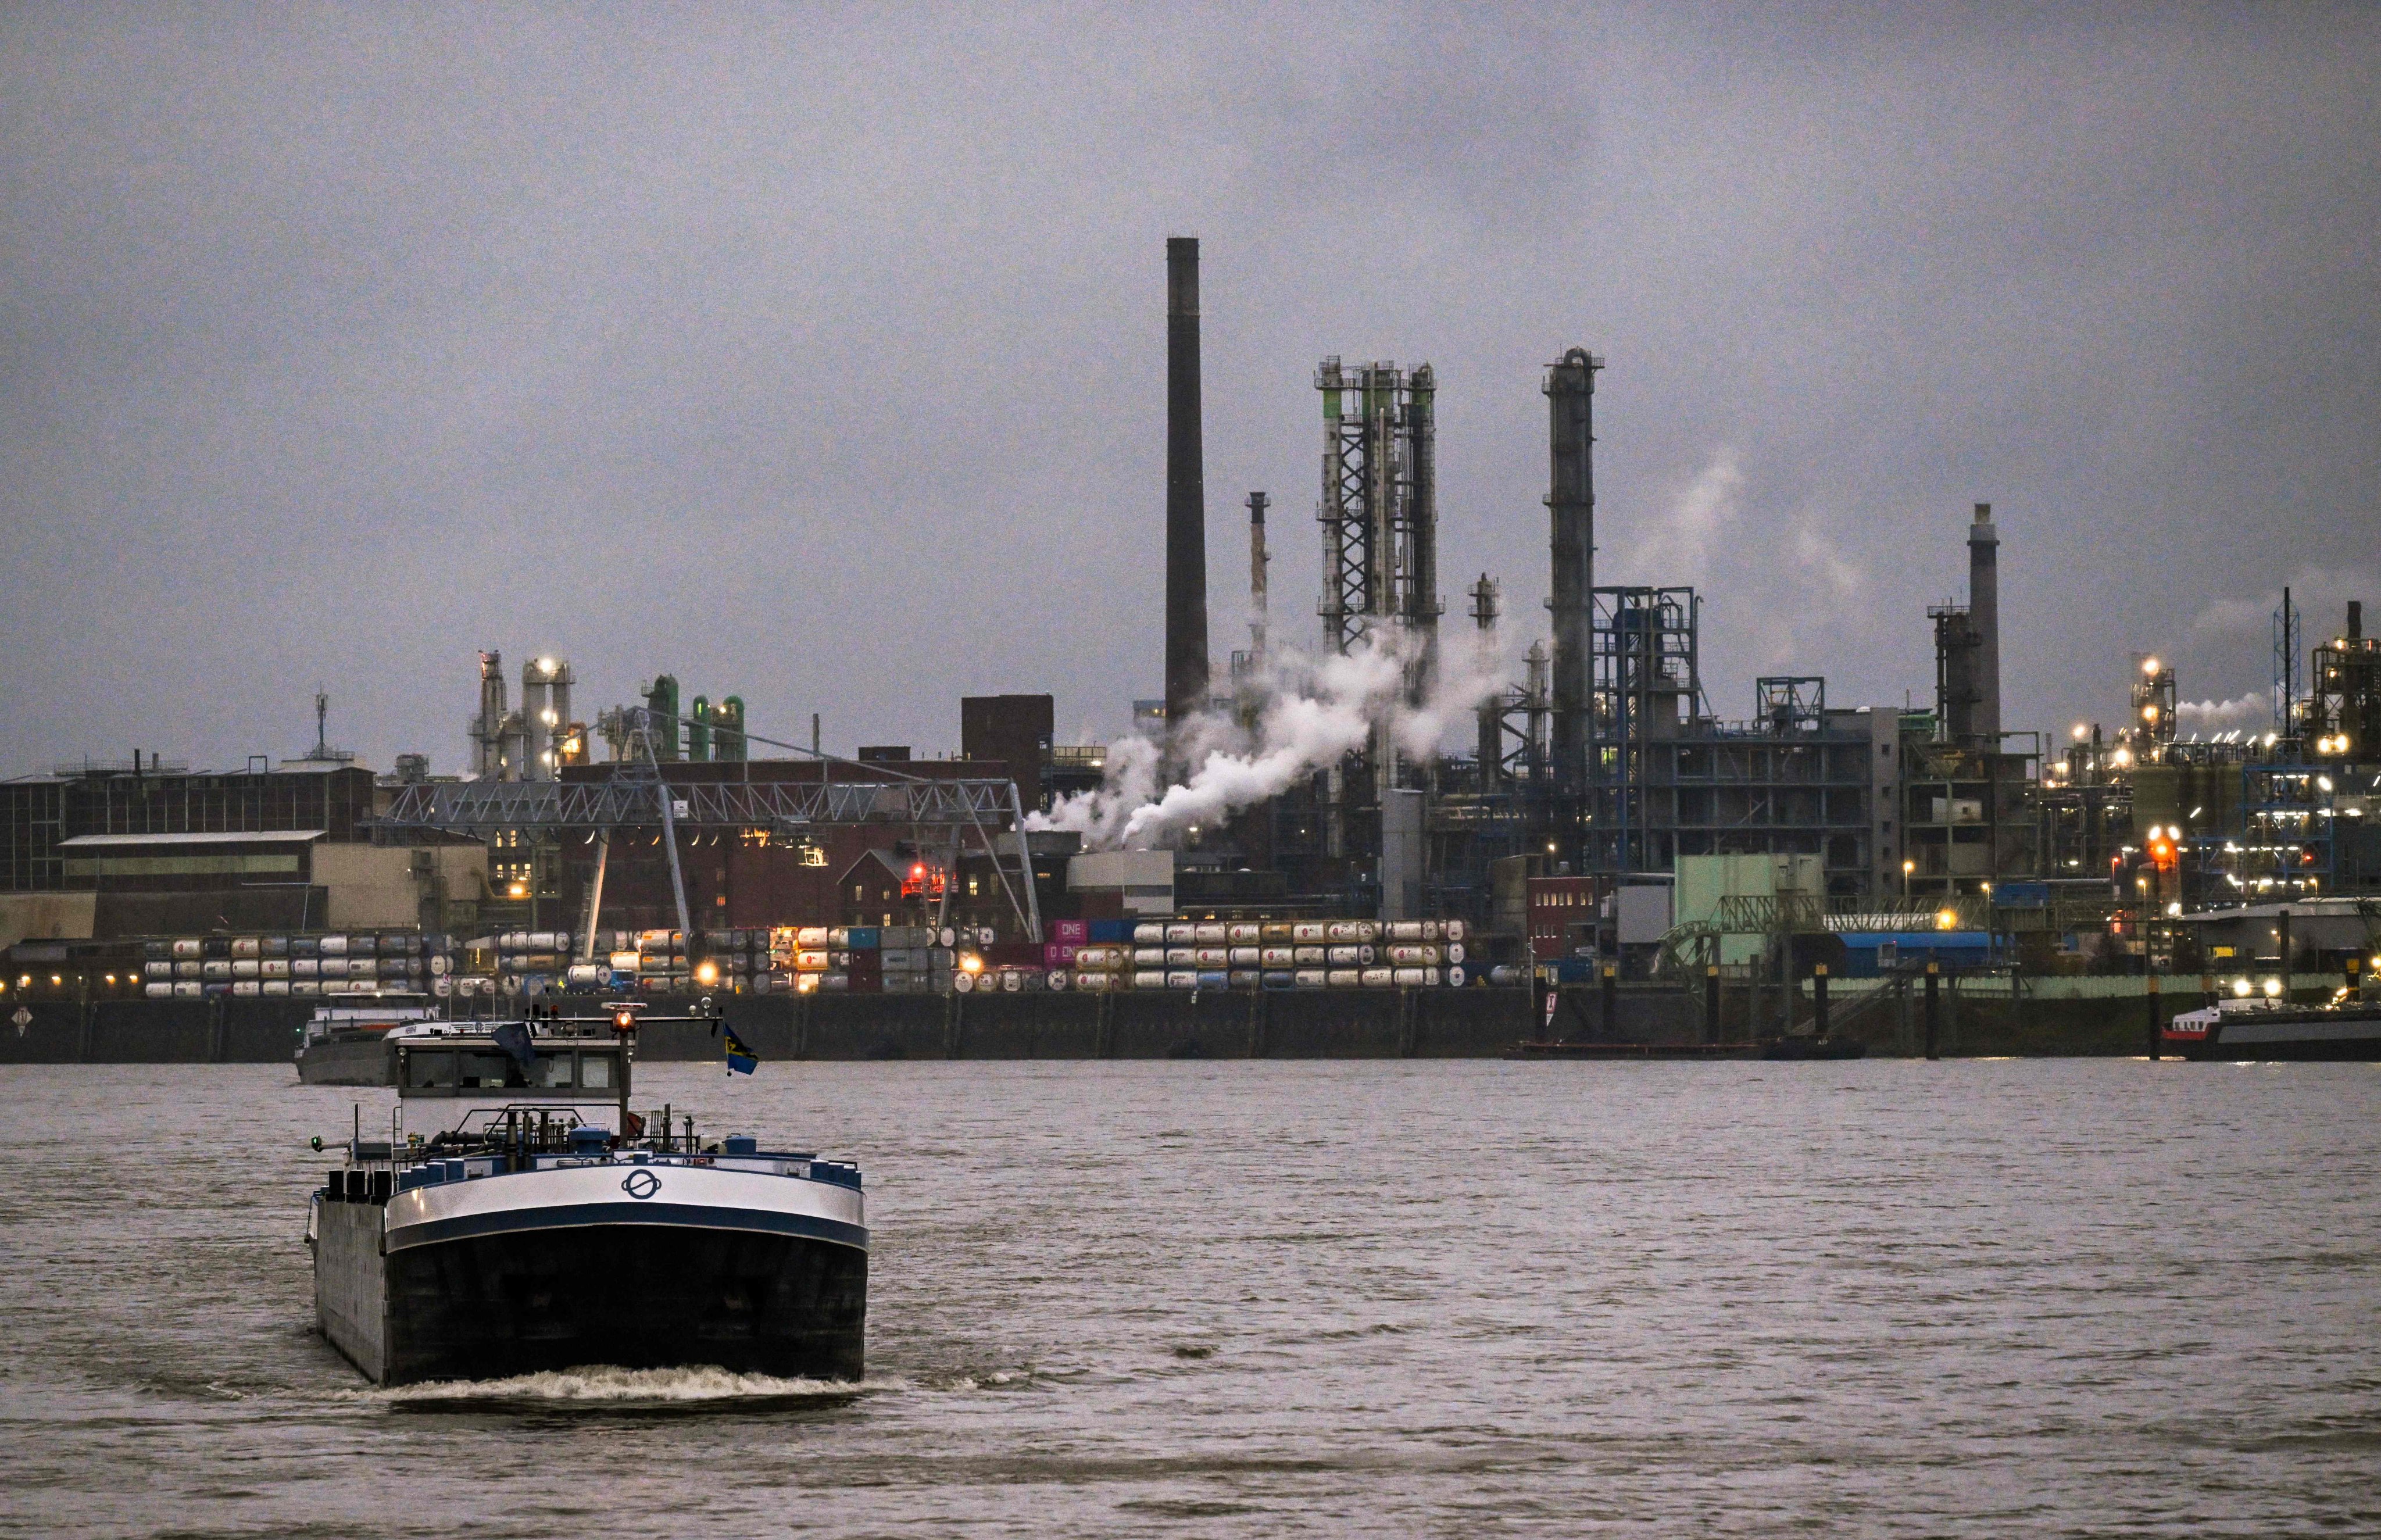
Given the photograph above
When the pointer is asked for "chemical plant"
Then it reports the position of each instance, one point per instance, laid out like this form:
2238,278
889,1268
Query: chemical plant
1602,822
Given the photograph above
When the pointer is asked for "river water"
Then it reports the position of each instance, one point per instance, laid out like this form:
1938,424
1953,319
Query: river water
1422,1298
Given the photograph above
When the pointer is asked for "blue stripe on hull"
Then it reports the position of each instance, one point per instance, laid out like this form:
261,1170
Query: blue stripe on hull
658,1216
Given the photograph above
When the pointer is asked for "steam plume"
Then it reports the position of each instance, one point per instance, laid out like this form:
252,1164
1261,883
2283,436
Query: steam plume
1311,713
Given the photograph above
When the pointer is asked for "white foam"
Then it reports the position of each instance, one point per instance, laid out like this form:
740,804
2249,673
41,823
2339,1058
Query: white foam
602,1384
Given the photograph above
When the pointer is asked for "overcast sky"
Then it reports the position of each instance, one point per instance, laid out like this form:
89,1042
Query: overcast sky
817,355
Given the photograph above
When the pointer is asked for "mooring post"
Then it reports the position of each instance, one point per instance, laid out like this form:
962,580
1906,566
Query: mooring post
1819,999
1934,1005
1611,1003
2154,1024
1711,1003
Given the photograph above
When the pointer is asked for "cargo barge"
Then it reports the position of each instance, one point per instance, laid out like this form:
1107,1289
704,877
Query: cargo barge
546,1227
345,1041
2252,1030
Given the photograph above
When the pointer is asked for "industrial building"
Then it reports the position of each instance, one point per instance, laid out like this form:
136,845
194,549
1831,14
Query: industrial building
1602,798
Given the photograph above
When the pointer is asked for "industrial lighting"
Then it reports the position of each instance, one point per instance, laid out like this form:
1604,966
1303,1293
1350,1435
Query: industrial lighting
2123,756
2149,713
2149,665
56,980
970,964
2079,732
2273,987
1945,919
1908,867
706,973
2174,907
2241,988
518,890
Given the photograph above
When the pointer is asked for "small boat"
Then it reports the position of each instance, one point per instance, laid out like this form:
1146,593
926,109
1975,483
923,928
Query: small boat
346,1041
543,1226
2252,1028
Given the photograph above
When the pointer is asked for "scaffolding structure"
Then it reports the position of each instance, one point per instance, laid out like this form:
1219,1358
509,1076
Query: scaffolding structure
1645,684
1379,509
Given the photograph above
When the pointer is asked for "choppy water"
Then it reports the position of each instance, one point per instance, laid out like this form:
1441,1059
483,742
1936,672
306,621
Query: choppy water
1884,1298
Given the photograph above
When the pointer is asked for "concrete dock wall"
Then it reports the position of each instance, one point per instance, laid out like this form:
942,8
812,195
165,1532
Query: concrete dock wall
1422,1024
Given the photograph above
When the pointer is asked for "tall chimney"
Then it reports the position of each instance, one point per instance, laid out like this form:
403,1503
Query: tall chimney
1186,491
1257,560
1985,615
1571,403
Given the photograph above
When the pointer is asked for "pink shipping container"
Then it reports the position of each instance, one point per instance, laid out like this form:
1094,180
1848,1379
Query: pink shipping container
1071,933
1059,954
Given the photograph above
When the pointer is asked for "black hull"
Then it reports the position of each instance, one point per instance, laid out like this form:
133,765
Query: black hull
2349,1051
635,1296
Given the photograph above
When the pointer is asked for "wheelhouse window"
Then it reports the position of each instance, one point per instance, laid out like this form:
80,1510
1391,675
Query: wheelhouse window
430,1068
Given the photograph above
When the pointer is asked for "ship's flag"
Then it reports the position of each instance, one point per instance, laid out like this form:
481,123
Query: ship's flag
514,1039
741,1060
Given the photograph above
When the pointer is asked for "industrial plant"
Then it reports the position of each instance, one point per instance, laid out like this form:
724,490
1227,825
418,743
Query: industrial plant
1599,826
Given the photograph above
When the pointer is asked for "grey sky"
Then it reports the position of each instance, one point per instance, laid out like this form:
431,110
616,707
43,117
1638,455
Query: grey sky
818,355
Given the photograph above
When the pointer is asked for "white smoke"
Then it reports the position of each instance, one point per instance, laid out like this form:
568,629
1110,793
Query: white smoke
1309,715
2254,710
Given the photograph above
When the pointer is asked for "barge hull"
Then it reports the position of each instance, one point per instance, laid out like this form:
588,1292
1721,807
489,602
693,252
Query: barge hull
635,1296
348,1061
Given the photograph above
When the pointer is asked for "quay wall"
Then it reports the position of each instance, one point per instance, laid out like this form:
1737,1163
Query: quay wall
1422,1024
